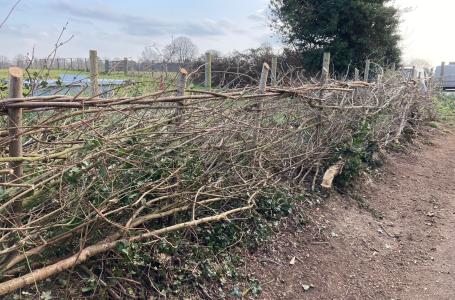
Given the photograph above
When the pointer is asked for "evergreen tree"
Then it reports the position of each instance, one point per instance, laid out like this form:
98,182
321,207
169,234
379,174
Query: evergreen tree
352,30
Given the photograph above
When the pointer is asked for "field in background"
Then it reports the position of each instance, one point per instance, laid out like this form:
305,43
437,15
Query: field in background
55,74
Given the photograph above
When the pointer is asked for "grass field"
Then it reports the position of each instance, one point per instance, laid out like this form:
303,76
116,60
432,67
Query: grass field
55,74
136,83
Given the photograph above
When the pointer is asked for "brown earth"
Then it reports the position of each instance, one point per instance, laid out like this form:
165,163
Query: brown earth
349,252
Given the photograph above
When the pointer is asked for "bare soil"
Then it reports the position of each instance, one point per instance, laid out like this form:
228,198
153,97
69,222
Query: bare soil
349,252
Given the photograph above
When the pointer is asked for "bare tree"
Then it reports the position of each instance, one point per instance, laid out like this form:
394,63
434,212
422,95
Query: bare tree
150,54
4,62
215,53
180,50
20,60
420,63
9,13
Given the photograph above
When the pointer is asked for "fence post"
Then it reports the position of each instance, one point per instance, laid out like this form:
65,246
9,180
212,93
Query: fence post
264,77
262,89
380,75
394,66
356,74
14,128
94,72
274,70
413,75
366,76
379,79
181,86
208,71
107,66
125,62
326,67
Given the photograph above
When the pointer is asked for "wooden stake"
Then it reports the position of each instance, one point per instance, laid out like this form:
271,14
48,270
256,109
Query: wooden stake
324,79
367,71
107,66
125,62
14,129
208,71
325,67
262,89
356,74
264,77
181,86
274,70
94,72
380,75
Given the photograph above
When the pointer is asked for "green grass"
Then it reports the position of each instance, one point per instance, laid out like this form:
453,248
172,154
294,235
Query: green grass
143,82
445,107
54,74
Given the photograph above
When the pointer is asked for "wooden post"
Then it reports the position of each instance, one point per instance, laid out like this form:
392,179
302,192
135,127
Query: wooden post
413,75
181,86
324,79
356,74
107,66
125,63
366,76
15,128
394,67
94,72
325,67
208,71
274,70
259,106
264,77
380,75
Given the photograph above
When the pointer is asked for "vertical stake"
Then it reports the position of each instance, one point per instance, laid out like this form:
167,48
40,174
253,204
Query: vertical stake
264,77
394,67
380,75
325,67
94,72
274,70
181,86
356,74
107,66
262,89
367,71
208,71
125,63
14,129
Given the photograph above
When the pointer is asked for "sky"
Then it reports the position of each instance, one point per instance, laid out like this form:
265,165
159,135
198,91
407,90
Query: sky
119,28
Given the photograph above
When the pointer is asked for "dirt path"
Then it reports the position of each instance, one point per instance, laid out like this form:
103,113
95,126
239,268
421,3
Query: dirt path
349,253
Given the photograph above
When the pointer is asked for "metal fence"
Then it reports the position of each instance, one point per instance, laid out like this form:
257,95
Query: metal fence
104,65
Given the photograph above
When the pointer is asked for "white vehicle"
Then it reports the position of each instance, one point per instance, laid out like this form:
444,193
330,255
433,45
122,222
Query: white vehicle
448,82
